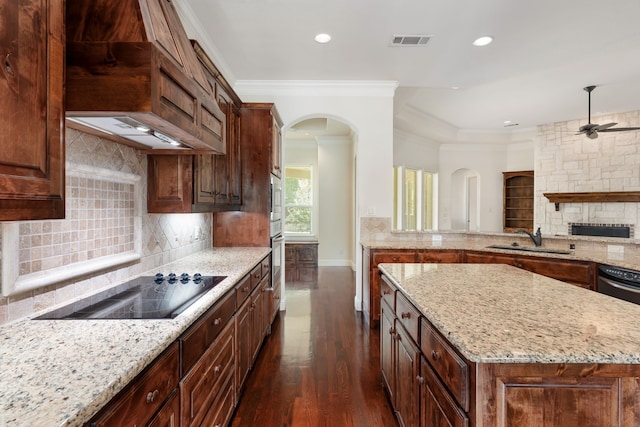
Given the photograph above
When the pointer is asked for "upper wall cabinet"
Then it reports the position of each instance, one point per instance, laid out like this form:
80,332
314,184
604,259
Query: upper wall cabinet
31,109
203,182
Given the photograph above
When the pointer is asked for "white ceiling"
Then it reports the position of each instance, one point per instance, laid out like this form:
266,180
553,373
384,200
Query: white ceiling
544,53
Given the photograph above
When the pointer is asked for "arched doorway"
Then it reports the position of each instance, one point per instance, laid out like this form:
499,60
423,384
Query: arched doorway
326,146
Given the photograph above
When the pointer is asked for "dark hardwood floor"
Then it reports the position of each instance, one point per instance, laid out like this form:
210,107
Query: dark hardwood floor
321,364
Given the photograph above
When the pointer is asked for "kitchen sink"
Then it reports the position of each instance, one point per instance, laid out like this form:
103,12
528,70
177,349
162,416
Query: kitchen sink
530,249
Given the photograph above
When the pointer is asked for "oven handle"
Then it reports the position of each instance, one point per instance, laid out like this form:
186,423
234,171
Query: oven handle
619,285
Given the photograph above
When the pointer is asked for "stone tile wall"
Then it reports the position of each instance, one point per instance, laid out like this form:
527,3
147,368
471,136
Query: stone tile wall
565,162
99,222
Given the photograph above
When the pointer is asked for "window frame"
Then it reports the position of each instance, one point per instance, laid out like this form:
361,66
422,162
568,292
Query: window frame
312,206
421,204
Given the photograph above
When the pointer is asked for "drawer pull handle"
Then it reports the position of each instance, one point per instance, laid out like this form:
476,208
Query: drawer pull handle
386,292
435,355
152,395
406,315
217,321
245,289
391,331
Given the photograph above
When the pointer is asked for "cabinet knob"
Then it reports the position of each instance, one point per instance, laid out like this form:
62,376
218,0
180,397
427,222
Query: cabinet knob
391,331
420,379
217,369
386,291
217,321
435,355
406,315
245,289
152,395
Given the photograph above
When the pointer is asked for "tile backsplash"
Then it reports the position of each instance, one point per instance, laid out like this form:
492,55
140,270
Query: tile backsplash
100,222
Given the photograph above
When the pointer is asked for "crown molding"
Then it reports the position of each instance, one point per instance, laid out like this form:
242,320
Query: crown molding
377,88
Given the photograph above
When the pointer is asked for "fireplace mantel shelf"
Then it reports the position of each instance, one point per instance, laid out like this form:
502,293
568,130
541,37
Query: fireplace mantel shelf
593,197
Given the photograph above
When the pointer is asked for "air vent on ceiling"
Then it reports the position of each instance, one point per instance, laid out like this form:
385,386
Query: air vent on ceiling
413,40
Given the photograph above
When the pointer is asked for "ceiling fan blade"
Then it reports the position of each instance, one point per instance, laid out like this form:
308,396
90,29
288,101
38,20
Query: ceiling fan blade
604,126
619,129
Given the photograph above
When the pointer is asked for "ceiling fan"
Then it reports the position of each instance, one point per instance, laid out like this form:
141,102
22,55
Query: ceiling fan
592,129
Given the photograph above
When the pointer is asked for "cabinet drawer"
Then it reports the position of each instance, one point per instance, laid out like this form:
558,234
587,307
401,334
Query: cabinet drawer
201,386
265,266
393,257
145,395
388,292
451,368
256,275
408,315
439,256
243,289
197,339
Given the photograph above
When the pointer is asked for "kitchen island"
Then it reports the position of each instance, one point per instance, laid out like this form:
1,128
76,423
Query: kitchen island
494,345
57,373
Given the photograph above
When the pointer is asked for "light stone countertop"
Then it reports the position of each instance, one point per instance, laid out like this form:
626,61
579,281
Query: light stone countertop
587,249
499,313
61,372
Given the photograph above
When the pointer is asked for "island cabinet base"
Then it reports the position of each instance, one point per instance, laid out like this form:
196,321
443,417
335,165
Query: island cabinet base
528,395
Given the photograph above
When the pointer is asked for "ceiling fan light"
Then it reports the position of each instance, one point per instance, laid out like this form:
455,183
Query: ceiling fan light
592,135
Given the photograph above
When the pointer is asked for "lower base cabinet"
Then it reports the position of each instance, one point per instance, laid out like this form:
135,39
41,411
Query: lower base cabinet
433,385
197,380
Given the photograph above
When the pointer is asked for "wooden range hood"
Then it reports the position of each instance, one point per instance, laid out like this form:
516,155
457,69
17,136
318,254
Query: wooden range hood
133,75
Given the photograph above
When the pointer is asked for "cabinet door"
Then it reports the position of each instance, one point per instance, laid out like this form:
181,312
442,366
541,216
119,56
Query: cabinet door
234,156
170,186
276,149
201,387
169,414
437,408
32,109
243,343
204,179
387,340
407,361
581,273
488,258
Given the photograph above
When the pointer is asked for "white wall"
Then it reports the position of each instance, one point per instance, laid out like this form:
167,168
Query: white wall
335,170
488,162
415,152
367,107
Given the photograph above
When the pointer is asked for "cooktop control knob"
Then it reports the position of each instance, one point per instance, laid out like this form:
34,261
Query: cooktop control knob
172,278
197,278
159,278
184,278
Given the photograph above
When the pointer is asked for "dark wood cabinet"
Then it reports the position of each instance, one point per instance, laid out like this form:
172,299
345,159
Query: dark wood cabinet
580,273
32,159
407,365
301,261
400,355
169,415
518,200
209,379
276,148
437,408
371,275
141,400
259,126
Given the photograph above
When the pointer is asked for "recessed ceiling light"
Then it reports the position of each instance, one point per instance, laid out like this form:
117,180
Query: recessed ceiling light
483,41
455,87
323,38
507,122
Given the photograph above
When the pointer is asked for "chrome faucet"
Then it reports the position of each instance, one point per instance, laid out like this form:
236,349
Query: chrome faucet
536,238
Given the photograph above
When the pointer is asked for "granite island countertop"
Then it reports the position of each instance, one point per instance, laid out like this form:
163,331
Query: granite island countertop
501,314
61,372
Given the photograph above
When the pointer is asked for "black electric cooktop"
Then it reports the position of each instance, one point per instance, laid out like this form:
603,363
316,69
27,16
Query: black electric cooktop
147,297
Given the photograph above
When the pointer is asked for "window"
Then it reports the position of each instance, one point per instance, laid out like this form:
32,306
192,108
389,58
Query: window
414,199
298,199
